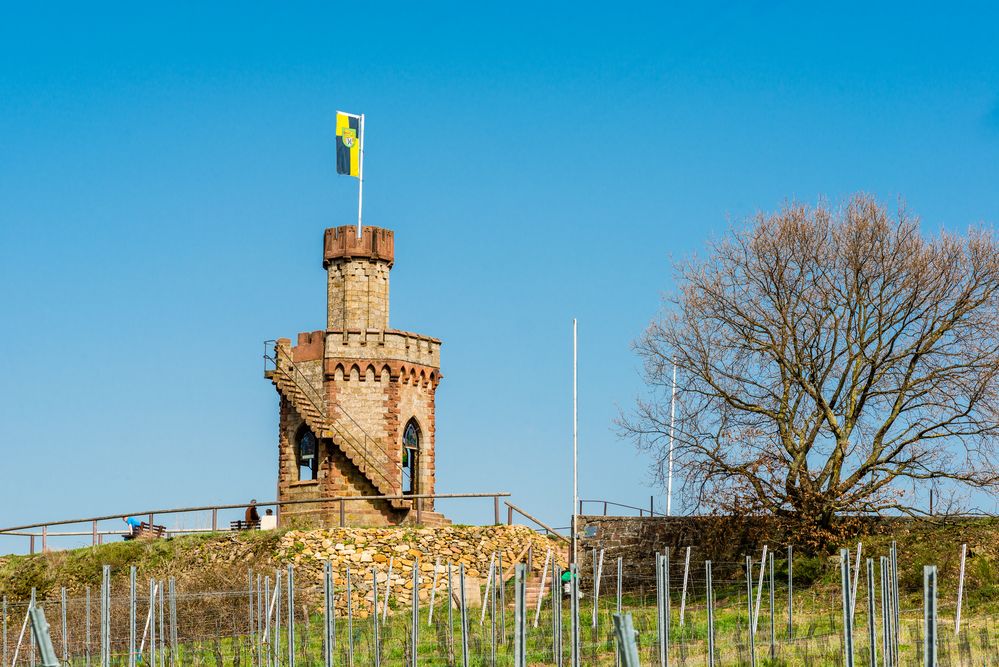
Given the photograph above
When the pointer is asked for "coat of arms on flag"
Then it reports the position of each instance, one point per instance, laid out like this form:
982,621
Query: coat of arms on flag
350,153
348,144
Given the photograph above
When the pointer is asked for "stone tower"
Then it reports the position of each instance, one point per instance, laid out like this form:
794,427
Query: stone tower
357,399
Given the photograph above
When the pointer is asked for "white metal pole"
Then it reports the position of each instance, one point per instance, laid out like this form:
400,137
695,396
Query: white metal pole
960,590
575,487
683,595
856,582
433,591
360,178
149,618
20,637
672,418
388,585
541,590
759,590
490,578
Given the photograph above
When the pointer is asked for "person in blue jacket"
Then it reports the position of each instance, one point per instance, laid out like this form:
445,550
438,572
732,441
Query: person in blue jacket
133,524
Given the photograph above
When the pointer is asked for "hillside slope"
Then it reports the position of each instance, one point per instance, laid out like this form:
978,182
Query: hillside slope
221,561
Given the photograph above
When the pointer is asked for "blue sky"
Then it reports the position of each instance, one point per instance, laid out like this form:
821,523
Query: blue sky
166,174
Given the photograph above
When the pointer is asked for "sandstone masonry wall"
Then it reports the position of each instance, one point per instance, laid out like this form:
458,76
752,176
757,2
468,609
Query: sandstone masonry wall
358,295
363,549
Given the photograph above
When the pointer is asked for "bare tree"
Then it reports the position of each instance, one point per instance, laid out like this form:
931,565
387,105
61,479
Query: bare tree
828,361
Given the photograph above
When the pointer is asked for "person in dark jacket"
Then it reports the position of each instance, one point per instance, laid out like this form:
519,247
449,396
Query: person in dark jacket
252,517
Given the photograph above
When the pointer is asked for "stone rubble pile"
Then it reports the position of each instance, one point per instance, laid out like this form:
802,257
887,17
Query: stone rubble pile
362,549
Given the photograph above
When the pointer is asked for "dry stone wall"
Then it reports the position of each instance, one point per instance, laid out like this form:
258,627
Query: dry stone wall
220,562
364,549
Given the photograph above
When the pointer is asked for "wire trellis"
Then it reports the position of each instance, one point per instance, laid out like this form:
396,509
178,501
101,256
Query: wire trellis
687,611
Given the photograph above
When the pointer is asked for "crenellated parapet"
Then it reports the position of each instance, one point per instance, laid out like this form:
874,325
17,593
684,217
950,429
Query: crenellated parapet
357,277
343,243
384,345
396,347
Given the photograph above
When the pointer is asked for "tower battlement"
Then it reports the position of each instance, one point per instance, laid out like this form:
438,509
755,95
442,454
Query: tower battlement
342,243
358,277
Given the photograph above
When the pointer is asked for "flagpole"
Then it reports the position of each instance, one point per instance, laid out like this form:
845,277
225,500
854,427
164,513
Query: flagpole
360,178
575,486
672,417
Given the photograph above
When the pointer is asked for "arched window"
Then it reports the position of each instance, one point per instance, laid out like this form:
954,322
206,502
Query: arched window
410,457
307,453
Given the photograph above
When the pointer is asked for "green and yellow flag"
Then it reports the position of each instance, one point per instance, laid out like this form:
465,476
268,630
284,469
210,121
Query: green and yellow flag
348,144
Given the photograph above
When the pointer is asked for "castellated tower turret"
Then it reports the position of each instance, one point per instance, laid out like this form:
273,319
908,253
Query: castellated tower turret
357,282
358,398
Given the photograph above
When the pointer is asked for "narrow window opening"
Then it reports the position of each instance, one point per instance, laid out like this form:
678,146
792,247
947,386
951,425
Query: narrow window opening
307,453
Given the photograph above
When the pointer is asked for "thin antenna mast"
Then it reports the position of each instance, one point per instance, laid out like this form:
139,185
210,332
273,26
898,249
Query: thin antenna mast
575,484
672,420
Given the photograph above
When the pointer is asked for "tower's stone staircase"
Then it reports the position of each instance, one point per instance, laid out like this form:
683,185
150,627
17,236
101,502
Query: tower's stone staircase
362,451
427,519
532,588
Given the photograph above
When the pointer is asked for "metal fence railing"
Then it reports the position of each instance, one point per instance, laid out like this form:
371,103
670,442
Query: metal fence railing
97,528
642,511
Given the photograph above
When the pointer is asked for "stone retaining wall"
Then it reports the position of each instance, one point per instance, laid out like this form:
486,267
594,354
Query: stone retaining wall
365,548
725,540
221,562
637,539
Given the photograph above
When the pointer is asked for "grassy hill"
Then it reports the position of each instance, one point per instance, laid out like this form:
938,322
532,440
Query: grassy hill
219,562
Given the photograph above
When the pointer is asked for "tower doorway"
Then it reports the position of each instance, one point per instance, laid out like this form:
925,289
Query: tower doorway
410,458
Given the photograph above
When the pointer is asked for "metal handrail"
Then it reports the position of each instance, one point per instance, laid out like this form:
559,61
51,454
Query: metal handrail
641,511
346,414
277,367
333,424
548,529
269,503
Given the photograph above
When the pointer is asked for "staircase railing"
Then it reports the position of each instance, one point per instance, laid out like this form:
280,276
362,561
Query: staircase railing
511,508
282,362
314,395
